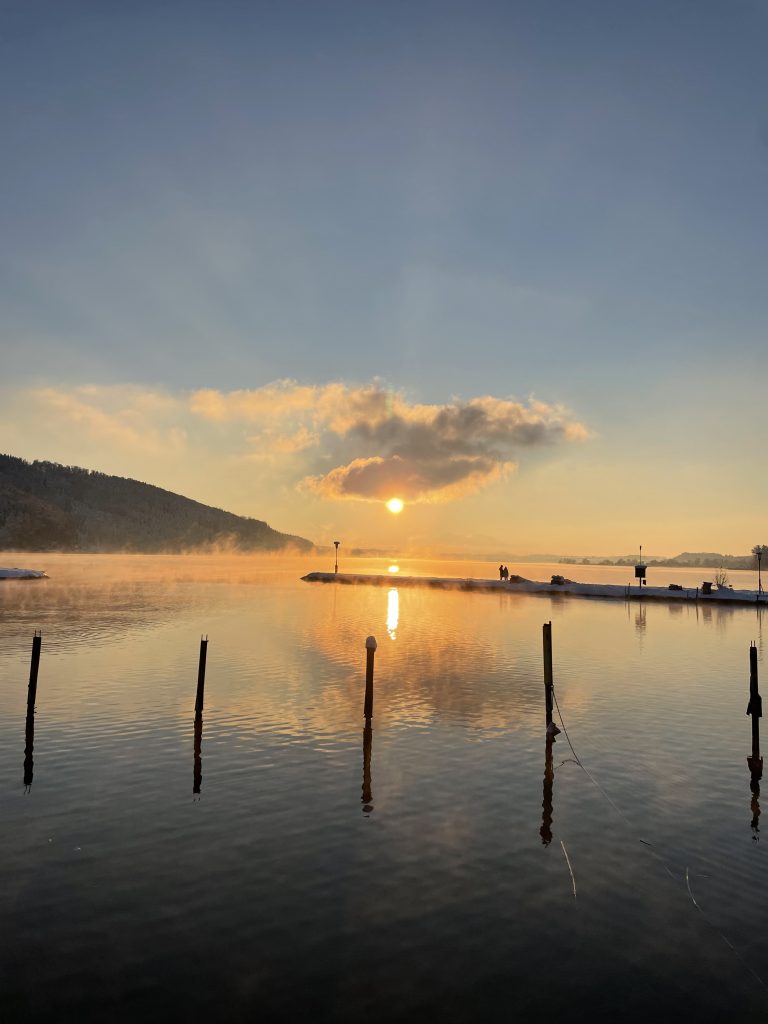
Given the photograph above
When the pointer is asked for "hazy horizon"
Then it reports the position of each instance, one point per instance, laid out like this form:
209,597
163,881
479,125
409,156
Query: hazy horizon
225,546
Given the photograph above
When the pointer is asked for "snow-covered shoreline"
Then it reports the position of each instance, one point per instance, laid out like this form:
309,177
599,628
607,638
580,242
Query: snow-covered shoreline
23,574
519,585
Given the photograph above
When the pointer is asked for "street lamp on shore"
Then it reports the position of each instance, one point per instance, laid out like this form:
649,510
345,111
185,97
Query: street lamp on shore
757,551
336,545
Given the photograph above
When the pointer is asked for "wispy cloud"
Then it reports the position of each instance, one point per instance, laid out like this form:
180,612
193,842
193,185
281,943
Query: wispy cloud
127,417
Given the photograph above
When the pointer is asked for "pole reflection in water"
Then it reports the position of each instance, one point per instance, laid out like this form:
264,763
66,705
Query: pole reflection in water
640,620
755,762
29,738
754,785
393,613
549,781
760,629
367,797
197,774
29,733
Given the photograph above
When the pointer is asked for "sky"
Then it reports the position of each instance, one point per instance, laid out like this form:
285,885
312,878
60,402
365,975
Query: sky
503,261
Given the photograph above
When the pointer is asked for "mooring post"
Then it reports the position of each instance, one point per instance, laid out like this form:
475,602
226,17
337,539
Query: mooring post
201,676
37,642
552,729
370,651
547,630
755,709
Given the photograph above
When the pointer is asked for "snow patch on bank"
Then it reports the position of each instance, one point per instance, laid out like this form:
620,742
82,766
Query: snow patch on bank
23,574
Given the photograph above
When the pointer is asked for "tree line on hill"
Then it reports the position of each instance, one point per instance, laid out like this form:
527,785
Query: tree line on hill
685,560
48,507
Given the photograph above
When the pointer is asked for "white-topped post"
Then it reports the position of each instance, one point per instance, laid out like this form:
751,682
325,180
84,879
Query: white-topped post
370,651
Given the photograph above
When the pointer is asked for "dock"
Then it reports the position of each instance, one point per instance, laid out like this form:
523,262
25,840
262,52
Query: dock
520,585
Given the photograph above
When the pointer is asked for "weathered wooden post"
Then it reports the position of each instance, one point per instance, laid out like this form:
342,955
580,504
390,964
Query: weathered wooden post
547,631
755,709
201,676
552,729
37,642
370,651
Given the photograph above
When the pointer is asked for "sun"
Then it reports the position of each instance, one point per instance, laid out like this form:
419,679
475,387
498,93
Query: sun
395,505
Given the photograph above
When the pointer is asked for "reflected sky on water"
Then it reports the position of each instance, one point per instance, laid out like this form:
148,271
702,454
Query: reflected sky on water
146,847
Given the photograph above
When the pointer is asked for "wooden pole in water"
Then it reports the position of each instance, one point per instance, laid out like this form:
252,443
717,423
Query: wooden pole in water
552,729
755,706
201,676
37,642
370,651
547,631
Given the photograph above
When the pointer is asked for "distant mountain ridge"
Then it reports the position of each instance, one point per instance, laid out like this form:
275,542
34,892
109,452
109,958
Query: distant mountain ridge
45,506
685,560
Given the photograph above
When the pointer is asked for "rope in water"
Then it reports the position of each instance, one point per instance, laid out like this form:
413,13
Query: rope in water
648,845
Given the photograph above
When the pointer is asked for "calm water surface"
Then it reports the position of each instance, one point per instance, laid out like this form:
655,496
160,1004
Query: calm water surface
281,861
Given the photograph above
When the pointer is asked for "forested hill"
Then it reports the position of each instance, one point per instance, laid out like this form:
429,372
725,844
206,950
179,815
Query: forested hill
47,507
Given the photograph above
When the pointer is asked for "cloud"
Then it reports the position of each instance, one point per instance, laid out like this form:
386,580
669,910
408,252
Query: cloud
382,444
127,417
378,478
336,441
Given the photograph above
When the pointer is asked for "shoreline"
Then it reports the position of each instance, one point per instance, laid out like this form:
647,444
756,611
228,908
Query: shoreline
22,574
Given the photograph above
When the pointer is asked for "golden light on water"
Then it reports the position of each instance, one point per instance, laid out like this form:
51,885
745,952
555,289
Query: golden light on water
395,505
393,613
394,568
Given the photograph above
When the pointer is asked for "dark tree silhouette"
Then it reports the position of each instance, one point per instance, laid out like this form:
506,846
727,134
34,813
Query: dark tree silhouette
45,506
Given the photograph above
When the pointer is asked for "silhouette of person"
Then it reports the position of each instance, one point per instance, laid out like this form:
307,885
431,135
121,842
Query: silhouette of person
501,572
506,573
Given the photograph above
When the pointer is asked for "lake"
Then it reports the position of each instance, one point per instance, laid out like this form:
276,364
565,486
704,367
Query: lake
280,860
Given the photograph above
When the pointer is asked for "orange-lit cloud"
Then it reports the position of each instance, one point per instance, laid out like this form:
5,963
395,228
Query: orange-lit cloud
384,445
377,478
336,441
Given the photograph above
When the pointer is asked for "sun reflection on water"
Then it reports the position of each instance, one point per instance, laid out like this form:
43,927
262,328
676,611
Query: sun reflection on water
393,613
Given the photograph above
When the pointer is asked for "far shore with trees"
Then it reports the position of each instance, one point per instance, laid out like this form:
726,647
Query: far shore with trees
686,560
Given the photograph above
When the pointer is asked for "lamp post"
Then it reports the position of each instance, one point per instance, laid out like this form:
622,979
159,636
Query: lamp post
336,545
757,551
759,578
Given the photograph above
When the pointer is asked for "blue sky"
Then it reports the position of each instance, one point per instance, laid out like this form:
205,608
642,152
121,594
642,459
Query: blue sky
460,200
